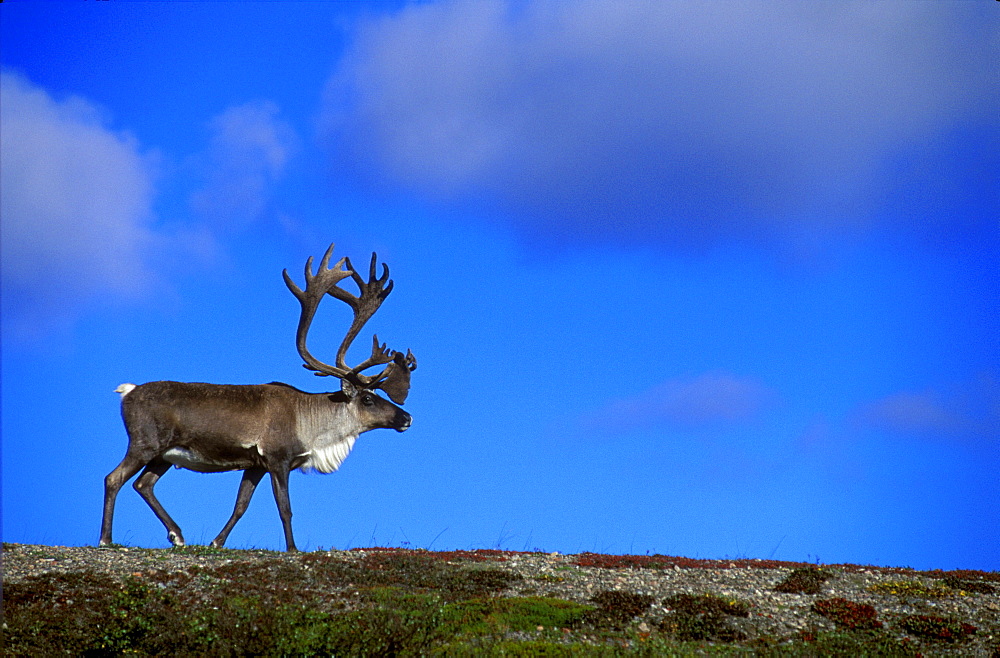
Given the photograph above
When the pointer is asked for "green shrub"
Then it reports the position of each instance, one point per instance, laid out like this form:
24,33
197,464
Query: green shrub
975,586
804,581
703,617
936,628
839,644
615,608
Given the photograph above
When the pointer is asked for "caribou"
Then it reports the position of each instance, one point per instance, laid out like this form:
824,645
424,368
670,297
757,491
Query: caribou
267,428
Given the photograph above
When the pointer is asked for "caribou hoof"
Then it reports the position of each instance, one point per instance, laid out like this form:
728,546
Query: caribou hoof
175,539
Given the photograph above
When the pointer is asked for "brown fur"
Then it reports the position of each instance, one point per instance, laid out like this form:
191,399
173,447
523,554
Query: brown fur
264,428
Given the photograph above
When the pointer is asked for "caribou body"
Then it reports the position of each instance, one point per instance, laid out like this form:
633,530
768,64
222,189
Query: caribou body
267,428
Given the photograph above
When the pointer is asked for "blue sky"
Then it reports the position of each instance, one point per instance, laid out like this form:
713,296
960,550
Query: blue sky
701,279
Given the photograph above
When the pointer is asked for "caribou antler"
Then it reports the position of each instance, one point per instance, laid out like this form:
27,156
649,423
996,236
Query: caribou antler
395,378
373,293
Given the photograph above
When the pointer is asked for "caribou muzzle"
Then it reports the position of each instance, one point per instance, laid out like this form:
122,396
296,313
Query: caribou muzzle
402,421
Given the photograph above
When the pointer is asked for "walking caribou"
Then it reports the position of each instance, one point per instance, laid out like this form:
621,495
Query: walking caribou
268,428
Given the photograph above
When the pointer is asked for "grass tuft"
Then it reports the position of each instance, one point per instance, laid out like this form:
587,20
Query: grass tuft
807,580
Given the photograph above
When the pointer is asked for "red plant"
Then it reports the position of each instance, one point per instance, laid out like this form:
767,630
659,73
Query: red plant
848,614
602,561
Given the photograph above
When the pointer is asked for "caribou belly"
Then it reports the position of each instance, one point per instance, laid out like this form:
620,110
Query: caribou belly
185,458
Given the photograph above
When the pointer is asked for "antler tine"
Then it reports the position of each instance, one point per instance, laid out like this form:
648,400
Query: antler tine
324,281
372,281
373,293
380,355
324,264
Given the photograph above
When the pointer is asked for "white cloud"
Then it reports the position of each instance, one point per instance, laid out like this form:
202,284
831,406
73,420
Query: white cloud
247,154
659,121
970,411
76,205
910,412
706,400
77,200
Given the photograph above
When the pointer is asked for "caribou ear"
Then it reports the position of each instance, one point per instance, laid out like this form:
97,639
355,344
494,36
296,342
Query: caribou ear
397,381
348,389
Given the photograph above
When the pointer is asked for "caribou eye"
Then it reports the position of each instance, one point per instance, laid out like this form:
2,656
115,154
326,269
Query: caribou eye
367,399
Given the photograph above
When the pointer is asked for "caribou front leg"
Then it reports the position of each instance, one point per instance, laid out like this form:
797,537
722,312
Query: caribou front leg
251,478
279,483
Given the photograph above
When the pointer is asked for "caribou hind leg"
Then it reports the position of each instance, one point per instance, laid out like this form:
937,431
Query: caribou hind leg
251,478
122,473
144,485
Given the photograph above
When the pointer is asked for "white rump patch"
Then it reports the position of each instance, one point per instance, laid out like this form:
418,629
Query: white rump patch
328,458
124,389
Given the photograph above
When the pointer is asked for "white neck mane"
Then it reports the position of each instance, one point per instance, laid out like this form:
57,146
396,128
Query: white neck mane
326,447
328,458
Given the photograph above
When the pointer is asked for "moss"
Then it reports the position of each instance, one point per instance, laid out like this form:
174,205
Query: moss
494,617
912,589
